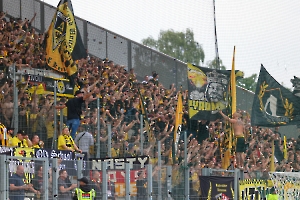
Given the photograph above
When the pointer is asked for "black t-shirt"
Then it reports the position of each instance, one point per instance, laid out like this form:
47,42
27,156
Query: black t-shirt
141,187
74,107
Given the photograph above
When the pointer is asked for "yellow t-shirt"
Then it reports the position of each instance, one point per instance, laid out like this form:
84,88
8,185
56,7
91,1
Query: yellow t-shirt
65,140
50,129
36,146
16,142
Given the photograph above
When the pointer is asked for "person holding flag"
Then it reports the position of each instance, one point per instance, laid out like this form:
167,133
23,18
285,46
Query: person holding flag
238,127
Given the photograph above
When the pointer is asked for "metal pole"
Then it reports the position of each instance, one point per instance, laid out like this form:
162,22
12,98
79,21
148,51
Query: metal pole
16,109
79,163
54,143
104,180
45,178
216,39
169,182
127,181
186,170
98,129
61,120
55,171
159,197
109,140
149,182
3,174
142,135
236,181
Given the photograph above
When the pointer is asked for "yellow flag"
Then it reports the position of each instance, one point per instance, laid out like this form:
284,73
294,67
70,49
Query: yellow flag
177,129
226,158
272,164
284,148
63,42
233,84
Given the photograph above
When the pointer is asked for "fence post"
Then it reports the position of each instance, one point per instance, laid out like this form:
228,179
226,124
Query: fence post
104,180
54,145
45,178
127,181
4,186
98,129
79,163
16,109
109,140
236,185
149,182
159,197
186,170
169,182
55,171
142,135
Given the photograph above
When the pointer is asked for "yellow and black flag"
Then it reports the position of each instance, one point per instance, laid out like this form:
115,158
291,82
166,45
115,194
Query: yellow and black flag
150,136
63,41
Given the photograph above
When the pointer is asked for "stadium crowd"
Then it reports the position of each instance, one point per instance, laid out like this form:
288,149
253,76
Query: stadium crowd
120,92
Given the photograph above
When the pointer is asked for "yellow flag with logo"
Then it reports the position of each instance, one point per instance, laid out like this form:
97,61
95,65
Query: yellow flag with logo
63,41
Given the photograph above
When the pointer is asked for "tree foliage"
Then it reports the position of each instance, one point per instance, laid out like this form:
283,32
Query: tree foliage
212,64
179,45
248,83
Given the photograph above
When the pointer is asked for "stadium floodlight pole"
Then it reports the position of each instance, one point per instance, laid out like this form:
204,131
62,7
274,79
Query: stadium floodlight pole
54,145
16,109
98,129
216,39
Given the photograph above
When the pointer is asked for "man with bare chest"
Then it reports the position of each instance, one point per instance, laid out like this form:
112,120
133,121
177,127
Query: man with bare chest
7,110
238,128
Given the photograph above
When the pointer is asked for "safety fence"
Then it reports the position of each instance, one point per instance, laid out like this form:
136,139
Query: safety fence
126,177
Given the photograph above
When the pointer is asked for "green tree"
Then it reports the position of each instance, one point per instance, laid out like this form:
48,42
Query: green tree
179,45
212,64
248,83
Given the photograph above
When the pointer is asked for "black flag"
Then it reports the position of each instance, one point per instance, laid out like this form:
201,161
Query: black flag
273,104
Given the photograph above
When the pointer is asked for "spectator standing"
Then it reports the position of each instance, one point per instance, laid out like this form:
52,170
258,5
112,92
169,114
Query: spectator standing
141,185
66,142
84,191
64,188
96,184
74,110
37,182
84,141
16,185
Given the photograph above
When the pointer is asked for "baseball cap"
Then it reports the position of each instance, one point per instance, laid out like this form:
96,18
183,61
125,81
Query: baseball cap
77,92
84,180
10,128
22,132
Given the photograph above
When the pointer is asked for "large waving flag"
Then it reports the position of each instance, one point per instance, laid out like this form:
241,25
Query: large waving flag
231,108
208,91
63,42
273,104
178,123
